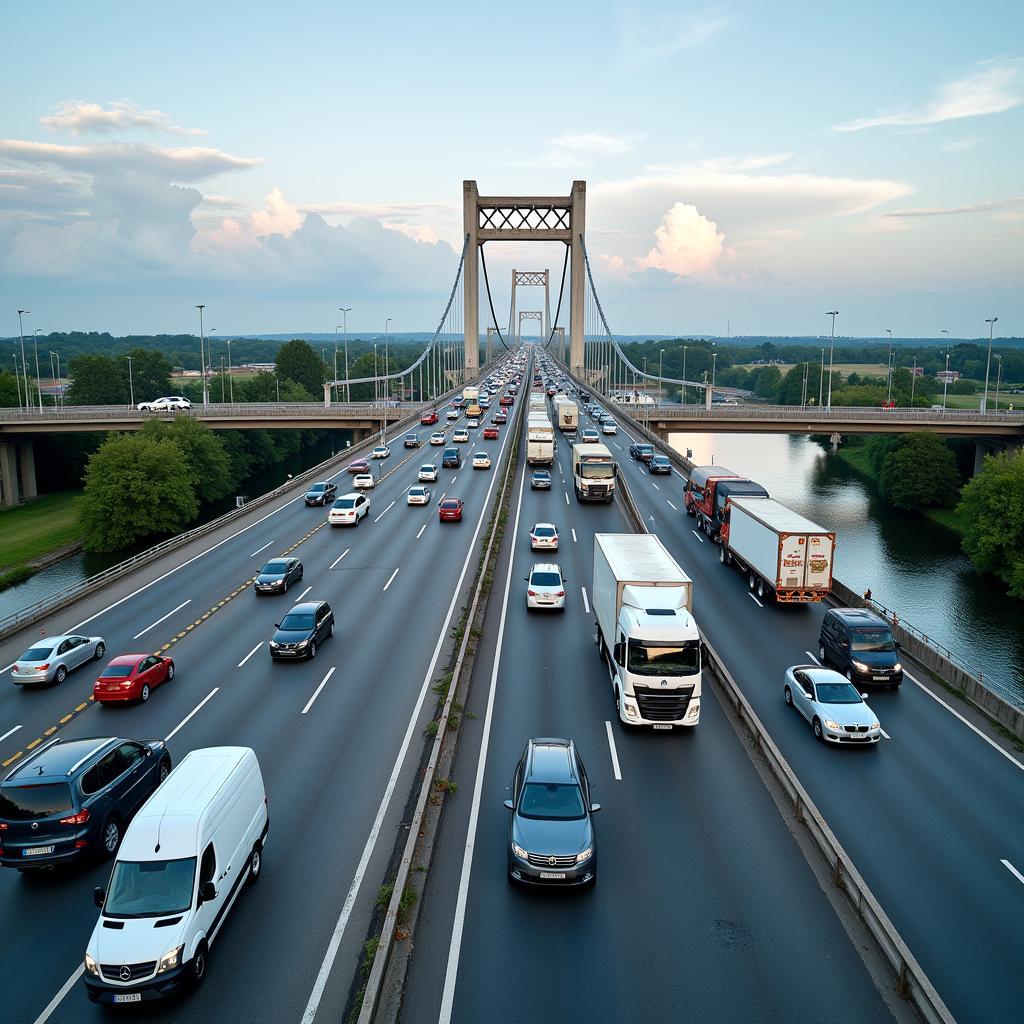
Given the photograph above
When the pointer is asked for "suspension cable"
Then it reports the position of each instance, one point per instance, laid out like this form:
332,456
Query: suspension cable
561,290
490,301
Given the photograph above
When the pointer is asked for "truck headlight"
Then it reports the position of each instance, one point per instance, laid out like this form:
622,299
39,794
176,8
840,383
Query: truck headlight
631,712
860,666
91,966
584,855
520,852
170,960
694,708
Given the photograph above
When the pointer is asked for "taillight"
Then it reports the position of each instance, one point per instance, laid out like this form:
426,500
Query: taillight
561,593
76,819
3,826
531,593
43,668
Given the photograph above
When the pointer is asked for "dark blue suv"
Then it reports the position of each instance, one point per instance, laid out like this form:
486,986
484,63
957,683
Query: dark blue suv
75,798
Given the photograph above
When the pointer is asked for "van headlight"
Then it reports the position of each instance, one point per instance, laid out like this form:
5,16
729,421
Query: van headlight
584,855
171,960
897,667
860,666
91,966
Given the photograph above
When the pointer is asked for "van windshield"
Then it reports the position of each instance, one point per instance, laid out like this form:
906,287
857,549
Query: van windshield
872,640
151,888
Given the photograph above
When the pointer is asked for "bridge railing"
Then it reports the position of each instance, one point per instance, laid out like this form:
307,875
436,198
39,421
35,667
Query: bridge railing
672,410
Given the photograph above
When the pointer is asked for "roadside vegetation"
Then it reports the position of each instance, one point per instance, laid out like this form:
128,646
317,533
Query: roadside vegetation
31,531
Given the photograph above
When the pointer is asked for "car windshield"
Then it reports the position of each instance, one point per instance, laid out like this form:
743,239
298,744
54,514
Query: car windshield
645,449
426,469
297,620
117,671
837,693
542,476
552,801
25,803
661,658
873,640
150,888
276,567
597,470
37,654
449,504
345,503
660,460
546,579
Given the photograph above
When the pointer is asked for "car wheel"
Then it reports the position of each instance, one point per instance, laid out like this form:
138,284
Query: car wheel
170,671
788,694
822,656
62,674
165,770
849,674
144,693
100,649
197,966
302,572
110,837
816,726
255,864
312,650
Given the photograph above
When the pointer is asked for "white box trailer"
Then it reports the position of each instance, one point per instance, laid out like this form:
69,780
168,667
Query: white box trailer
540,440
782,552
566,414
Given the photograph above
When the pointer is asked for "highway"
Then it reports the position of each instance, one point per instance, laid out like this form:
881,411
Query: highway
338,738
704,908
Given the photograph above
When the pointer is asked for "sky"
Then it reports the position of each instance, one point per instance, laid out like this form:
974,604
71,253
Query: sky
749,166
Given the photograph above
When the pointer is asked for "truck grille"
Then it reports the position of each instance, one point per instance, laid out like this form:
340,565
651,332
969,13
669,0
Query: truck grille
598,490
112,972
542,860
663,705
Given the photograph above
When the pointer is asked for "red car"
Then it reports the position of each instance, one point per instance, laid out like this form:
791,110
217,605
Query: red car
490,433
132,677
428,419
506,400
359,466
450,510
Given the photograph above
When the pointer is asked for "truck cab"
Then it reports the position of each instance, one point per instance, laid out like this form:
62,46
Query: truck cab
593,472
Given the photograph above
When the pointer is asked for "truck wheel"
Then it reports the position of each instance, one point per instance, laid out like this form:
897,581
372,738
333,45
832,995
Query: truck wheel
760,588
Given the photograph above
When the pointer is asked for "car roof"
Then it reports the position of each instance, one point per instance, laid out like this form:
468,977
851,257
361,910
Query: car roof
551,526
541,472
320,483
819,674
127,659
550,760
545,567
59,759
306,606
349,494
858,616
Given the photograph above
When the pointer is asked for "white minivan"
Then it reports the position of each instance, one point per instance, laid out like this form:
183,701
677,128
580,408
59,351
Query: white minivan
180,868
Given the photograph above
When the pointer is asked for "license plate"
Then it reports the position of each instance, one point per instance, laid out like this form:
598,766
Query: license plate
880,679
128,997
552,874
662,726
32,851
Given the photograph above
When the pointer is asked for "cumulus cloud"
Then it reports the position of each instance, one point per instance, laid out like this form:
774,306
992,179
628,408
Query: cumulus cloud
686,244
993,89
79,117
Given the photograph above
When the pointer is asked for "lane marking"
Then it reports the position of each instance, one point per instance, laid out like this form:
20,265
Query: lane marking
158,621
617,445
58,998
655,486
316,692
339,558
391,579
1009,867
566,493
264,548
384,513
612,750
250,654
671,504
305,592
884,733
812,657
453,479
754,599
573,534
420,534
586,603
10,732
181,725
697,535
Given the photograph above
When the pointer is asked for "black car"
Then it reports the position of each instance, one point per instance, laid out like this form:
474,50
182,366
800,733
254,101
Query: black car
452,458
860,644
301,630
659,464
540,480
643,452
412,440
321,493
74,798
277,574
551,837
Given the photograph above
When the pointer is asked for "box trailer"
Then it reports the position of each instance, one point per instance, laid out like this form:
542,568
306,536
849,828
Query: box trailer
567,415
540,440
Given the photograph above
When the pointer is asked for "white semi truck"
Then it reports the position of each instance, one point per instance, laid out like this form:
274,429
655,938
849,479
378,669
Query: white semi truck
566,414
540,440
593,472
646,633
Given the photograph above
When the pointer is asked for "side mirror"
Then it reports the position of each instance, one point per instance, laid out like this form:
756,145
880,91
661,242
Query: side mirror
207,892
509,805
619,653
863,696
594,808
99,894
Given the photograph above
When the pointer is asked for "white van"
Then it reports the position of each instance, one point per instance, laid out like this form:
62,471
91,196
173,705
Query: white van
180,868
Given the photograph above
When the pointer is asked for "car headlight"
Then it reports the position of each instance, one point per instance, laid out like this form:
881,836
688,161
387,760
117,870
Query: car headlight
91,966
520,852
860,666
897,667
832,725
171,960
274,645
876,725
584,855
303,643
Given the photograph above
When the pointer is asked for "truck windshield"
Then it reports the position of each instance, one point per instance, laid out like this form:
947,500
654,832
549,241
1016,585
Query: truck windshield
873,640
662,658
597,470
150,888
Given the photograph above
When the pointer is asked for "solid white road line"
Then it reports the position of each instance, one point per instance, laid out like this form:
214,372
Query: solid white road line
655,486
697,535
452,971
250,654
264,548
586,603
385,512
754,599
420,534
64,990
181,725
671,504
340,557
161,619
1009,867
10,732
812,657
391,579
305,592
573,535
316,692
884,733
612,750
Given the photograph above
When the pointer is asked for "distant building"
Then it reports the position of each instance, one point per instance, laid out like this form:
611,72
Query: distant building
947,376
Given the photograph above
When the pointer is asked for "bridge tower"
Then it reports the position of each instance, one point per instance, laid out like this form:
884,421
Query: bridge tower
528,314
523,219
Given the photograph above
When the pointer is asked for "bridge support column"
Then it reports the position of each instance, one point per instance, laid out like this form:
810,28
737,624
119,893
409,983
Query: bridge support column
27,459
577,275
471,279
8,476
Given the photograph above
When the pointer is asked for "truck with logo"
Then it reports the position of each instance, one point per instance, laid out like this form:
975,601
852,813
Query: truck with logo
594,472
708,490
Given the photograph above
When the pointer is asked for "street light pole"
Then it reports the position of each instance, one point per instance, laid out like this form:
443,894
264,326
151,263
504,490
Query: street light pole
17,380
945,383
821,379
39,386
60,385
387,364
684,374
661,375
376,375
888,367
913,383
231,381
202,352
345,310
131,382
24,365
988,362
831,348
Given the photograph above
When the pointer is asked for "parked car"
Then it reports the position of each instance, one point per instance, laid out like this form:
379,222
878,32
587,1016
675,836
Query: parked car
417,495
481,460
545,587
428,419
321,493
131,677
359,466
551,839
72,799
427,473
297,635
544,537
277,575
490,433
540,480
641,451
411,440
461,436
452,458
450,510
660,464
382,451
860,644
172,403
364,481
831,703
349,509
51,658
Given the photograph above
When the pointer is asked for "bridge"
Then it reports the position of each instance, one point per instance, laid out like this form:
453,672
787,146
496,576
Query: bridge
704,891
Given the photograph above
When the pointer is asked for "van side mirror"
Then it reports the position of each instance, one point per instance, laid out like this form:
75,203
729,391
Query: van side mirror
619,654
207,892
99,894
509,805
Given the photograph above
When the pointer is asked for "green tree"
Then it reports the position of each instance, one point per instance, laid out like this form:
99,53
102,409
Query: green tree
920,472
136,486
98,380
151,374
263,387
879,447
9,390
208,462
992,509
791,388
861,395
765,380
297,361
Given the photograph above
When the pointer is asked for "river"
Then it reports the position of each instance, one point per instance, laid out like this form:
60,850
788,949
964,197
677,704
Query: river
910,563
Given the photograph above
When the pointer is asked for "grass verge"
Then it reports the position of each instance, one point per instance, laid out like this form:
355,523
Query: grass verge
41,526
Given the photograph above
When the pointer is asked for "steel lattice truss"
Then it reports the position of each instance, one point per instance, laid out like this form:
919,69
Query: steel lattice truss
531,277
540,216
532,314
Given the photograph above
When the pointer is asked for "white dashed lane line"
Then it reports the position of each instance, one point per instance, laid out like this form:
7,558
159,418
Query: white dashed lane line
611,749
566,493
250,654
673,506
391,579
697,535
316,692
573,535
305,592
655,486
340,557
1013,871
181,725
586,603
161,619
384,513
10,732
420,534
264,548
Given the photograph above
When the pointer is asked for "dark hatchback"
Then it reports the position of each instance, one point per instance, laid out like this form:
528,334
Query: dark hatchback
659,464
321,493
74,798
277,575
299,633
551,838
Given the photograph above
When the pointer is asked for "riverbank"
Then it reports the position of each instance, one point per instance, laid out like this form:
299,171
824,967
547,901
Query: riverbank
34,534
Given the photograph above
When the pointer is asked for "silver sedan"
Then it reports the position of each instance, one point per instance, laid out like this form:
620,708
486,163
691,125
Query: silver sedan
51,658
831,703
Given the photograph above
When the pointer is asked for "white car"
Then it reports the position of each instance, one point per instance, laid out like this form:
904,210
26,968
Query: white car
831,703
474,422
427,474
481,460
590,437
461,437
545,587
382,451
437,438
348,510
170,404
418,496
609,427
544,537
452,414
51,658
364,481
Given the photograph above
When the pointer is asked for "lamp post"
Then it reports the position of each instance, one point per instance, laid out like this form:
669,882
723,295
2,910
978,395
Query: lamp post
831,347
803,393
999,376
131,383
387,363
913,382
821,379
222,380
231,380
888,367
945,384
202,353
714,367
17,380
988,362
684,374
376,375
35,346
345,310
24,365
60,386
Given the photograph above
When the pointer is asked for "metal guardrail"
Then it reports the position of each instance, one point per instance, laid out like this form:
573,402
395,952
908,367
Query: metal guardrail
854,413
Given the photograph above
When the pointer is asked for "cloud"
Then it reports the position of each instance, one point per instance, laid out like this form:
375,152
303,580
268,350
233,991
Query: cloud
571,149
959,145
949,211
992,90
686,244
642,43
79,117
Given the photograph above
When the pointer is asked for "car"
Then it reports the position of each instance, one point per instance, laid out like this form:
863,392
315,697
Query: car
472,422
297,635
831,703
382,451
437,438
860,644
172,403
641,451
461,436
451,459
484,403
551,838
552,391
481,460
449,510
490,433
428,419
277,575
364,481
71,799
545,587
321,493
349,509
500,418
427,473
937,408
590,436
132,677
359,466
51,658
506,400
544,537
417,495
540,480
608,426
660,464
452,414
411,441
